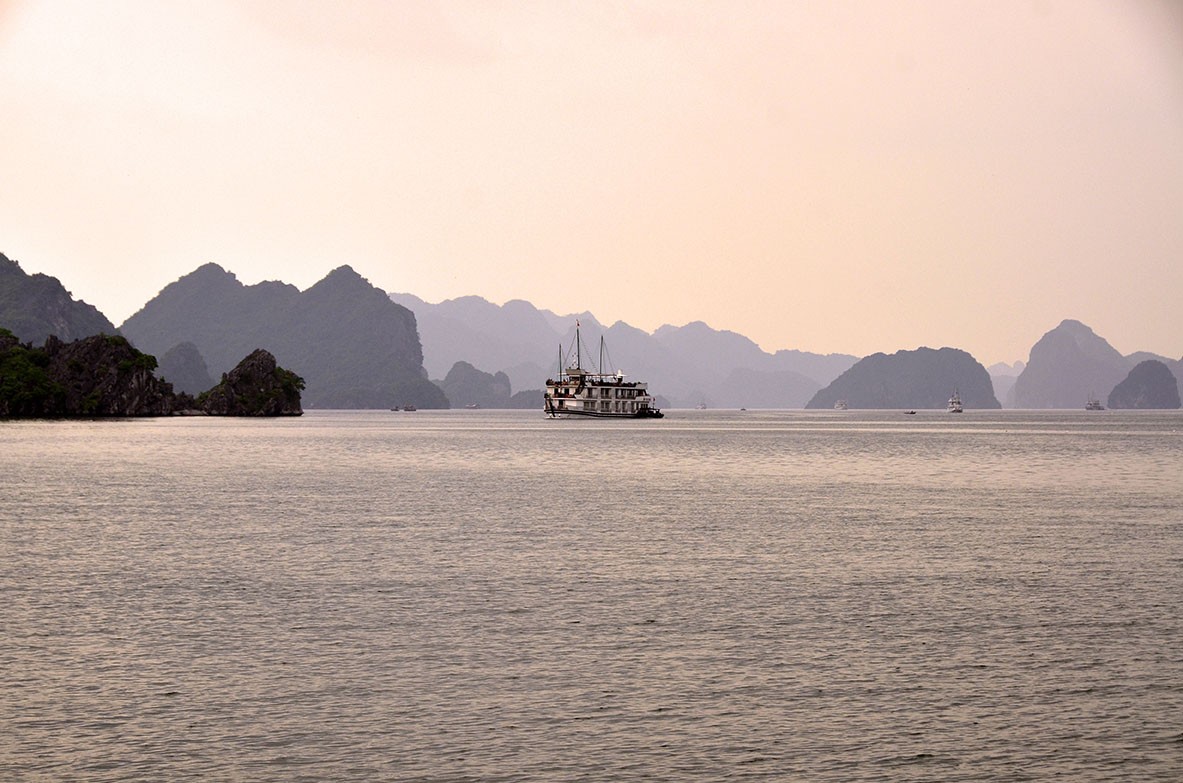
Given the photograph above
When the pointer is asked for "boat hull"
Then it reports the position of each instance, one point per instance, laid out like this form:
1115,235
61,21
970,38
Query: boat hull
576,414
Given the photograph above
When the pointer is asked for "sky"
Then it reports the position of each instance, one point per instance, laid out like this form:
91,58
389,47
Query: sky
861,176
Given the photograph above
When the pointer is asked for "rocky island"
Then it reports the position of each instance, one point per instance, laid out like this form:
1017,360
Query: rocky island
923,378
256,387
1149,386
105,376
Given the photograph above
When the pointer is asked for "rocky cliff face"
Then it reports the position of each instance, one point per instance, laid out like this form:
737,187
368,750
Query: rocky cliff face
354,347
924,378
257,386
97,376
34,307
1067,364
104,375
1149,386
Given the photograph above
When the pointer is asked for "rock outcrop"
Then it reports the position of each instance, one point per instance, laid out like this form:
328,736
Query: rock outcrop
354,347
1066,365
183,367
923,378
1150,386
102,375
468,387
36,306
257,386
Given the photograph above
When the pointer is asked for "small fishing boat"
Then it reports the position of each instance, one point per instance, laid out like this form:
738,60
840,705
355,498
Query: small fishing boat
580,391
841,405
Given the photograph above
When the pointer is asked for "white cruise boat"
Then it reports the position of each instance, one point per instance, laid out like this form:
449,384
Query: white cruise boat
955,403
1093,404
583,392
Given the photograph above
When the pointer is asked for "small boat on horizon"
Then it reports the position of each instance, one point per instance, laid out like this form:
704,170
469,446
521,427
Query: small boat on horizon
1093,404
955,403
841,405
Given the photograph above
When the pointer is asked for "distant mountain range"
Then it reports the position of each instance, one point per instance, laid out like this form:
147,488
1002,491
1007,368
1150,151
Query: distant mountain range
686,366
695,364
358,347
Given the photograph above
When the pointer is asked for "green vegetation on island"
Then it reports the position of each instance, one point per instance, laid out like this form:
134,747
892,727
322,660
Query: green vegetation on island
105,376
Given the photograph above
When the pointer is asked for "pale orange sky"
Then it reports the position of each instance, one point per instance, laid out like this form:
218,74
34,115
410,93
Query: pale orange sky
828,176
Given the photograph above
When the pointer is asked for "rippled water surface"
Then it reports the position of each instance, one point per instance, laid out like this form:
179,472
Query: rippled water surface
474,595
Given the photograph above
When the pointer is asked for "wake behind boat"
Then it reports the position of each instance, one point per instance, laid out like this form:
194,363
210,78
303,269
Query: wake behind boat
582,392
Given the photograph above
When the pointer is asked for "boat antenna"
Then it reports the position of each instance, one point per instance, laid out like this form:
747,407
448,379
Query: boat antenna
578,354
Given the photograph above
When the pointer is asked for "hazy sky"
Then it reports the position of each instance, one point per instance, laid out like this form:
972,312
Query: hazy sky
829,176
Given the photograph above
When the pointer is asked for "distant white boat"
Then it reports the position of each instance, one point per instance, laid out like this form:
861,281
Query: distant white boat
955,403
841,405
1093,404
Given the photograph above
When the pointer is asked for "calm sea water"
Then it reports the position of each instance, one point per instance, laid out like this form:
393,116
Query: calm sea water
490,596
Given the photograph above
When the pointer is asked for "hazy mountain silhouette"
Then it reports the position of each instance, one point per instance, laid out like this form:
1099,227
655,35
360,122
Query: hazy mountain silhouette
747,388
183,367
357,348
1174,365
33,307
1066,365
515,338
1150,386
1003,376
923,378
353,346
686,365
468,387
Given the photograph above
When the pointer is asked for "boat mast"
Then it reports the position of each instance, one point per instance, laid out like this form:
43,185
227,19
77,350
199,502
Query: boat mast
600,369
578,353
